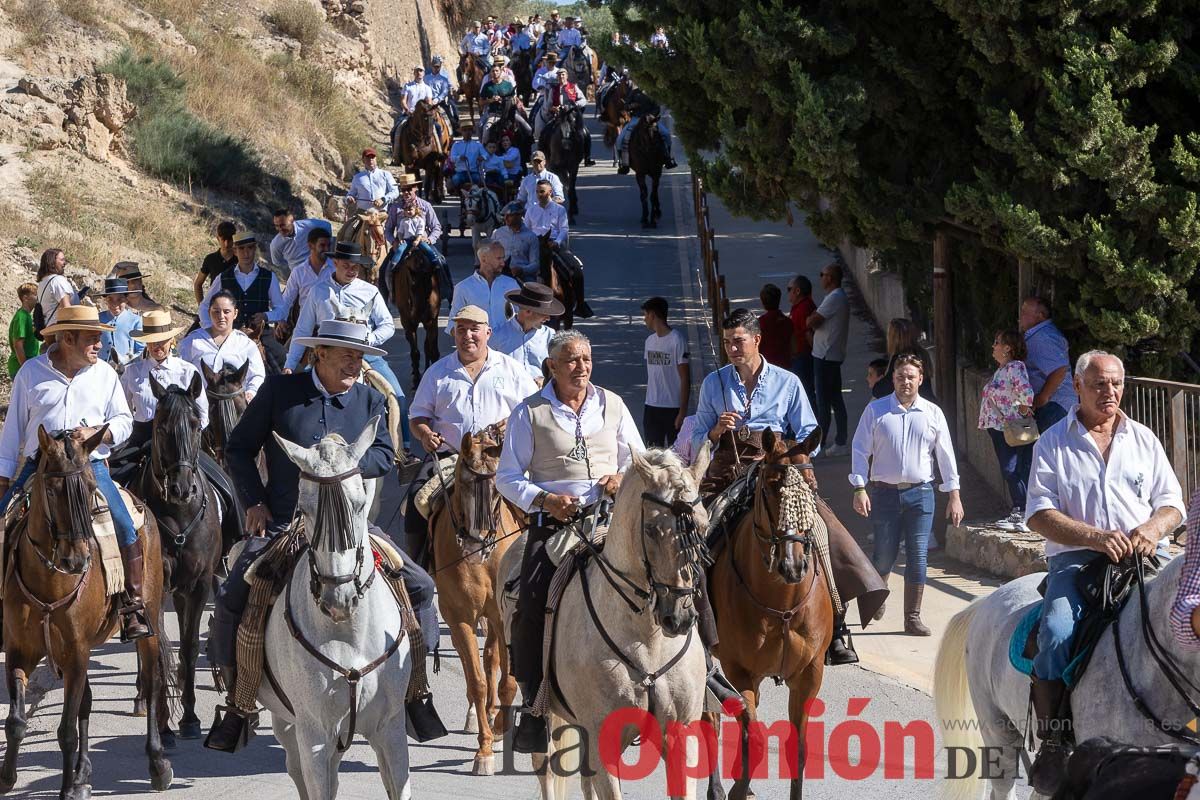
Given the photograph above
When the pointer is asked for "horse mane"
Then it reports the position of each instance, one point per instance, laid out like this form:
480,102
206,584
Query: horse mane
180,416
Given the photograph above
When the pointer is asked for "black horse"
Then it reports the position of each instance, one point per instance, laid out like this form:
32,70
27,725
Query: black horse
563,140
511,121
647,156
226,393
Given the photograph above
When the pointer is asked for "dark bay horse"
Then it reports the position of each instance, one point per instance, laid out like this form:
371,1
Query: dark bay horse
421,144
774,613
560,283
190,522
522,68
414,292
473,74
226,393
55,606
647,158
564,144
615,114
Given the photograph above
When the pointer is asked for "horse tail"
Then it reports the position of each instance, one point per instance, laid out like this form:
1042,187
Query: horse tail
569,744
168,675
952,698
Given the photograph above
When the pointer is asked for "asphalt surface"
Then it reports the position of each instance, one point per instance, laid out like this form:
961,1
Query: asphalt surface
624,266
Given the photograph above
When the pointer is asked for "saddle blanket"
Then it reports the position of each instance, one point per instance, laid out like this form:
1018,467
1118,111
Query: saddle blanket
432,494
1022,647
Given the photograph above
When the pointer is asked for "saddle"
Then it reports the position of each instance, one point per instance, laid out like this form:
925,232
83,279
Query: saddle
430,498
380,384
1106,588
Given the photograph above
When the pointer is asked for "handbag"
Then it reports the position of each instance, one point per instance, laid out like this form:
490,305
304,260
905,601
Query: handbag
1020,431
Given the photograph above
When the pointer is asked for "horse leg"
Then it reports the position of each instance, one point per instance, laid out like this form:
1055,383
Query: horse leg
802,688
655,204
316,753
747,684
152,674
74,682
491,672
285,734
82,785
391,751
16,724
190,610
410,333
641,182
432,353
507,688
462,633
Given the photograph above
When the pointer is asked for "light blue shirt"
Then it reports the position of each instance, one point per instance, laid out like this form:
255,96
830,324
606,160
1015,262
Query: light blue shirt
466,155
440,85
493,162
368,187
1047,352
520,42
328,299
569,37
293,250
479,44
529,348
522,247
120,340
779,403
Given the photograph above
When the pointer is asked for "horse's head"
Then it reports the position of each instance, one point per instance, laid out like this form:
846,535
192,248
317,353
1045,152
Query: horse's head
333,501
64,488
660,524
785,505
226,394
475,484
175,447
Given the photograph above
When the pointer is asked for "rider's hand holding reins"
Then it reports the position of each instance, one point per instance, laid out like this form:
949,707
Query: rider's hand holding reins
257,519
725,423
430,439
1114,544
561,506
610,484
1142,541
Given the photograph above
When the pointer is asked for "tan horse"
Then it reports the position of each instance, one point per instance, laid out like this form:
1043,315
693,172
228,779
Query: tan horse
774,614
472,82
422,144
471,533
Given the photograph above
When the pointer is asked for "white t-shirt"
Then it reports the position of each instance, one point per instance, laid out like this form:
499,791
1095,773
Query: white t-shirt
663,355
829,340
52,289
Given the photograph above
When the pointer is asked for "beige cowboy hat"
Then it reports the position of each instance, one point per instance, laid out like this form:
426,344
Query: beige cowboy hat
348,333
406,179
157,326
77,318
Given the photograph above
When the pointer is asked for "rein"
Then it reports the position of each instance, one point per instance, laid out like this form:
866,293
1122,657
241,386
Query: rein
189,460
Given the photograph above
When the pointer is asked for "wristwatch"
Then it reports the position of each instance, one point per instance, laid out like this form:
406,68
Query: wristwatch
540,500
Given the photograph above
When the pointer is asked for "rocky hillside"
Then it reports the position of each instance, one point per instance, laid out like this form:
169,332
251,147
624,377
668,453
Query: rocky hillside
128,128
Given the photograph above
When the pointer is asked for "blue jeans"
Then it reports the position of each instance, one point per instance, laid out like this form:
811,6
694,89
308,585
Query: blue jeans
401,247
627,131
126,533
1015,463
901,514
804,366
1047,415
380,365
462,177
827,380
1062,607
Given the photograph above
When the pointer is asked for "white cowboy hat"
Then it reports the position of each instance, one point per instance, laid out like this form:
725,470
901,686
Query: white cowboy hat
157,326
341,333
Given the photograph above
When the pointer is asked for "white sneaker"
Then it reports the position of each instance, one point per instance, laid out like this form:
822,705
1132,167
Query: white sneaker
1015,521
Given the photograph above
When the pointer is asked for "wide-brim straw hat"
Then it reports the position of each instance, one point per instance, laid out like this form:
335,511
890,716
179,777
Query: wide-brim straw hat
406,179
157,326
538,297
77,318
341,333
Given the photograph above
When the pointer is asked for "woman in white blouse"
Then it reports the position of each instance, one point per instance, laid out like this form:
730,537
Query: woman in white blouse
220,345
54,290
1006,397
158,334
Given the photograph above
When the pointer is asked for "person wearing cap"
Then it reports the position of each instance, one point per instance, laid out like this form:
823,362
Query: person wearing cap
485,287
443,93
372,188
639,104
315,267
527,192
477,44
468,156
521,247
289,248
565,449
401,221
68,388
221,344
525,336
302,408
254,287
460,394
520,41
118,346
217,261
137,299
412,93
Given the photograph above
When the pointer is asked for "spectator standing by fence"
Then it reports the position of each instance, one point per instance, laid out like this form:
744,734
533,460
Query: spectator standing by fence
1048,363
830,325
776,328
1008,396
668,377
903,336
799,291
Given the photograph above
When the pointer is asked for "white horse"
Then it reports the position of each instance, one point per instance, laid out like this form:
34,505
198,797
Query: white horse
337,615
982,700
650,555
481,213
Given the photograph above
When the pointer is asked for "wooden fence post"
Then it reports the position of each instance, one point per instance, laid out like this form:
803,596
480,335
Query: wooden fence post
943,328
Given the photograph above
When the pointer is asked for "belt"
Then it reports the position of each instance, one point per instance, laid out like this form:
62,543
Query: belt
901,486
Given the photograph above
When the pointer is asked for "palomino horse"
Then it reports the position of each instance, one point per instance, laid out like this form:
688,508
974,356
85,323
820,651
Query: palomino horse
1129,687
55,606
365,228
564,145
774,615
333,637
471,532
189,520
415,294
421,144
480,213
225,390
624,635
646,158
615,114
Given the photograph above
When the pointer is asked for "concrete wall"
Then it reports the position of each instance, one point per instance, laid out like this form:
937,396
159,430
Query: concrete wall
882,291
974,445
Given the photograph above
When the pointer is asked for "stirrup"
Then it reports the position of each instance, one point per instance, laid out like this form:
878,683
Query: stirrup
134,624
422,720
232,729
532,735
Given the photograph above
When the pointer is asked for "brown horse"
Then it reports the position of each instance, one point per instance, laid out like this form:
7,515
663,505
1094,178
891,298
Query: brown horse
226,393
421,144
774,613
615,114
55,606
646,158
472,81
471,532
560,284
415,294
365,228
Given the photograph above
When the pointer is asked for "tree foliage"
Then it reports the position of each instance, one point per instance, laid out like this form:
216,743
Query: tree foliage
1064,131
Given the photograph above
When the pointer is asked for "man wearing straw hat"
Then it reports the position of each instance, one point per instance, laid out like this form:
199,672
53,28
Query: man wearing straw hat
525,336
118,346
68,388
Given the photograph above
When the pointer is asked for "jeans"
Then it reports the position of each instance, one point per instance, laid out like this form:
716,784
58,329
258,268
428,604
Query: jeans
380,365
1047,415
658,426
401,247
901,514
828,389
462,177
803,365
126,533
1015,463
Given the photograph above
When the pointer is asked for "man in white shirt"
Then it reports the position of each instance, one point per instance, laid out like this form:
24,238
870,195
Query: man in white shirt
525,336
412,93
569,37
254,287
67,388
548,221
289,248
668,376
527,191
486,287
461,394
1101,486
547,468
372,188
899,437
315,268
544,216
830,325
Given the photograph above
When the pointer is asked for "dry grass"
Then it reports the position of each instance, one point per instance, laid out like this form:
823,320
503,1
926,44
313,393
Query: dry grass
85,12
298,19
36,19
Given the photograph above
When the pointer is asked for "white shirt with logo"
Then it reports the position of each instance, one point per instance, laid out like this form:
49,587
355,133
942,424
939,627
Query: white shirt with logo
663,355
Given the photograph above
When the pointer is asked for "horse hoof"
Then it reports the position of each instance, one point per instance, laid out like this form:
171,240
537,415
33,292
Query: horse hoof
139,707
472,723
189,730
645,223
81,792
6,784
162,781
484,765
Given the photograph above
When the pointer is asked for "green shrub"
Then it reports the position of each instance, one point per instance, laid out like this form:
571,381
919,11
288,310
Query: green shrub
148,82
298,19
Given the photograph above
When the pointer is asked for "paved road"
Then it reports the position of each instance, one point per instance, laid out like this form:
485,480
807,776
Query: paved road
624,265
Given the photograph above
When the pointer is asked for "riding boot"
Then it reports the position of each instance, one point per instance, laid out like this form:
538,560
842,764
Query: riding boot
582,309
668,161
721,688
622,162
422,719
841,647
912,610
532,735
232,728
133,614
1052,707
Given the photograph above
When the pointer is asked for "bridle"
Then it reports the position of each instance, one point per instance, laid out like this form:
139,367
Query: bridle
487,542
774,539
328,485
56,535
188,458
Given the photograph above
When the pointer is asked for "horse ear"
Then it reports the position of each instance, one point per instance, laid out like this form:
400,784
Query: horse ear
210,377
194,386
807,446
94,441
157,389
295,452
465,445
44,438
365,439
239,374
769,439
700,465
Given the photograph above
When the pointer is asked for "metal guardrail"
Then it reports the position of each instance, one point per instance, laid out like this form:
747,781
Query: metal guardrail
1172,411
714,281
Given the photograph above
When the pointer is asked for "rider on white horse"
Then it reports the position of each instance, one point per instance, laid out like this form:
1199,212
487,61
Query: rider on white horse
302,408
565,450
547,68
1100,484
